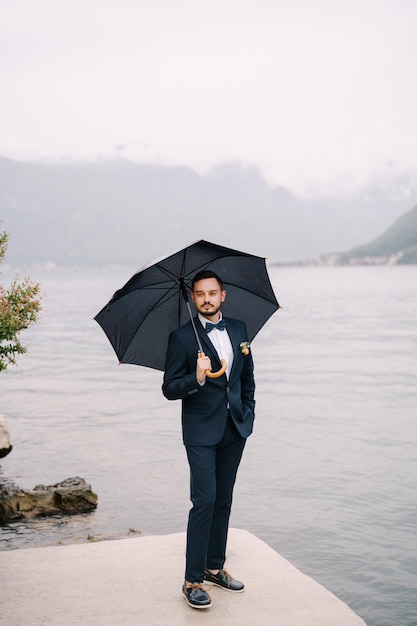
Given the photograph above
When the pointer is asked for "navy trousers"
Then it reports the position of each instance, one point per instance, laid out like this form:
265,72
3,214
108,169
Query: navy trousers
213,472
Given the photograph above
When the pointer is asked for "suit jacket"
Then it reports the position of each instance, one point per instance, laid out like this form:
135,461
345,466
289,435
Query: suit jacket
204,407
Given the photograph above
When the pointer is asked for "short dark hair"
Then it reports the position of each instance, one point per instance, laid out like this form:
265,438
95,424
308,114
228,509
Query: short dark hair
206,274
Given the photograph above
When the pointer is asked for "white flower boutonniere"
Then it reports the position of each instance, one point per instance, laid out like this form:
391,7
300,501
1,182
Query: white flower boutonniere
244,347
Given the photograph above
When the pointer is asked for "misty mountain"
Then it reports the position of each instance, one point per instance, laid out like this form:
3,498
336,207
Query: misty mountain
120,212
398,244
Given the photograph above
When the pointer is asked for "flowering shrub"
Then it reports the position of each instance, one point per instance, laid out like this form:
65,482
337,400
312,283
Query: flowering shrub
19,308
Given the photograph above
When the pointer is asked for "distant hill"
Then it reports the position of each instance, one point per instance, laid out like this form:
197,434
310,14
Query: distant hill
126,213
398,244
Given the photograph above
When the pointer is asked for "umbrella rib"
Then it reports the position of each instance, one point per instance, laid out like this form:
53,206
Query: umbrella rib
167,272
266,299
164,298
167,296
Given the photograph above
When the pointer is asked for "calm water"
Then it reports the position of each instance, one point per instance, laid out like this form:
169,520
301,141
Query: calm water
329,478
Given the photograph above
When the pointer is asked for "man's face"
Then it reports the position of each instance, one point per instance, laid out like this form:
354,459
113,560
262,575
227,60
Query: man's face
208,297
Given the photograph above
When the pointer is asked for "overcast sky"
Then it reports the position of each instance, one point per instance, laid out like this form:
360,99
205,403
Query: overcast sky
320,95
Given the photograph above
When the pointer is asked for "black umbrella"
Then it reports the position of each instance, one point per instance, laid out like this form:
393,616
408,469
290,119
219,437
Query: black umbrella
140,316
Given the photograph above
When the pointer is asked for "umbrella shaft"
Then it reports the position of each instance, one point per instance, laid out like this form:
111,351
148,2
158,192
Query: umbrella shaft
200,349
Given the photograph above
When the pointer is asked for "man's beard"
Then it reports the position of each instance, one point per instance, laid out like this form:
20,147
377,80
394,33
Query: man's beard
210,313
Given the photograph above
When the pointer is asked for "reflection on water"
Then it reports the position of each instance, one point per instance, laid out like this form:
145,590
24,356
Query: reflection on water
58,530
328,478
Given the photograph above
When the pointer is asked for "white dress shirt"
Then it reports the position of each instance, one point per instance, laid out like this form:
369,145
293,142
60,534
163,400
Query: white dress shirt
221,342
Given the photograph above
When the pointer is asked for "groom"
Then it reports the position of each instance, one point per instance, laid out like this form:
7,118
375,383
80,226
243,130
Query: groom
217,417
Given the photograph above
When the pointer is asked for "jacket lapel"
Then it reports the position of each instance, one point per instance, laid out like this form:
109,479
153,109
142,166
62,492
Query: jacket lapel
206,344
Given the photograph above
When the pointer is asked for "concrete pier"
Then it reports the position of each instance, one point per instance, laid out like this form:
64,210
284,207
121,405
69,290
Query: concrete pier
138,581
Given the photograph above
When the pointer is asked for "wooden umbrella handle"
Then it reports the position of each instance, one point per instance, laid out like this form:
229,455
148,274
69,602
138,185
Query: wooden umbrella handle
220,372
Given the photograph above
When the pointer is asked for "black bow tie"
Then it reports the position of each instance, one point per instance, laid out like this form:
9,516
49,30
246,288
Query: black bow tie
220,326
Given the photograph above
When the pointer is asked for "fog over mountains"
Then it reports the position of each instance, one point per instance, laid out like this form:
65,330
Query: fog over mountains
121,212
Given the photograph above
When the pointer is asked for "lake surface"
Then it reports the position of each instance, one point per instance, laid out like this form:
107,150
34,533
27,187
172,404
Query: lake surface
329,477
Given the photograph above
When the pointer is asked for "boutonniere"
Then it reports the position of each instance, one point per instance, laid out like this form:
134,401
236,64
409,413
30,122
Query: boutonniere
244,347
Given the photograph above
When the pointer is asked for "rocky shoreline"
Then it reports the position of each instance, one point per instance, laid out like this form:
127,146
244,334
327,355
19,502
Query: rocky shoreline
69,497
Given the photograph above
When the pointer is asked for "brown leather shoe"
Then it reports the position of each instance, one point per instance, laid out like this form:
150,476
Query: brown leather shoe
196,596
224,580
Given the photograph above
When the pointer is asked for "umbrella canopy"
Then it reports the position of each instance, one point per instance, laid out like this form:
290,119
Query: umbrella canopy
141,315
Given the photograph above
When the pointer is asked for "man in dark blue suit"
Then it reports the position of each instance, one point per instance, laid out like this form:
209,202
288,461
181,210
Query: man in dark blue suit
217,418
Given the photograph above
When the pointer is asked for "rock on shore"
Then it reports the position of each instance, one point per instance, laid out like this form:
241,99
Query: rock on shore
5,444
70,496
